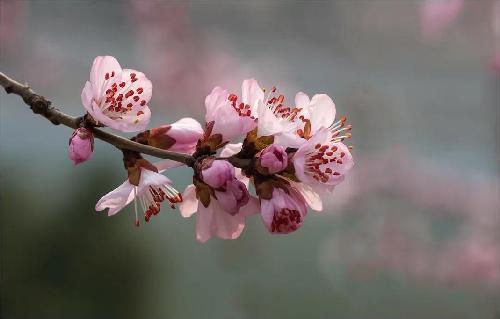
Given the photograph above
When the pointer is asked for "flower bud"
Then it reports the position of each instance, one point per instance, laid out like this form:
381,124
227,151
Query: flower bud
273,159
180,136
234,197
216,173
81,145
284,212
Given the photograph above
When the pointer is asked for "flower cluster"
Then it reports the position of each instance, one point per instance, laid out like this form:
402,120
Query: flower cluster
290,153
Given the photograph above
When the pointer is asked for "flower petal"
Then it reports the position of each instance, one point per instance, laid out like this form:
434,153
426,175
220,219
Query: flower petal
149,178
302,100
312,198
189,204
101,66
214,221
322,110
87,96
251,208
251,94
116,199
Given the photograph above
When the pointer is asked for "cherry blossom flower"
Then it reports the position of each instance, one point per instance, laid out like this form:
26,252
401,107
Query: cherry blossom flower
81,145
117,97
233,117
293,125
284,212
323,161
153,189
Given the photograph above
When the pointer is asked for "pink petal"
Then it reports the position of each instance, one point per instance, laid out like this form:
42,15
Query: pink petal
231,149
214,221
141,82
186,132
116,199
251,93
302,100
213,102
87,96
251,208
189,204
138,121
312,198
101,66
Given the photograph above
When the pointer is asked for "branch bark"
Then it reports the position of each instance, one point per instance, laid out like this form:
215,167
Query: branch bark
42,106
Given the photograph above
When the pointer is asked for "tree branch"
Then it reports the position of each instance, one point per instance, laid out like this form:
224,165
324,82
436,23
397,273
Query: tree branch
42,106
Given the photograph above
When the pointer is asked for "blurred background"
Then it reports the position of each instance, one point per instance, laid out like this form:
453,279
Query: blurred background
414,232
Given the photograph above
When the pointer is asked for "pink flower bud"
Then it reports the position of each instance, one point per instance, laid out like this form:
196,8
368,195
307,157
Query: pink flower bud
81,145
234,197
217,172
284,212
274,159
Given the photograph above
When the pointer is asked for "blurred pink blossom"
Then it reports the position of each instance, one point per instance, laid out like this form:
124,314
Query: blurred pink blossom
179,58
470,260
12,14
436,15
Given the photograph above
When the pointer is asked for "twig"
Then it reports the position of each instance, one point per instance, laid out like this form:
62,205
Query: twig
42,106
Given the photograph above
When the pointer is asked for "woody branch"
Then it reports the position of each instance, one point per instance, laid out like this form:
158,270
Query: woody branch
40,105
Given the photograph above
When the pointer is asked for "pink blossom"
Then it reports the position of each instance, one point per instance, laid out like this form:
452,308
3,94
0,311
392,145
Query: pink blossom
81,145
232,118
152,190
436,15
217,173
117,97
180,136
323,161
284,212
293,125
273,159
214,220
495,61
469,260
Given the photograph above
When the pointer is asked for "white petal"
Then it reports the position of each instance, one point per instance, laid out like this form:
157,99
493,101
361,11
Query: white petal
322,111
116,199
302,100
149,178
231,149
251,94
312,198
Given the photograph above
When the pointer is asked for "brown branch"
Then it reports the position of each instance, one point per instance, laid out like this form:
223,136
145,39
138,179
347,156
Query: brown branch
42,106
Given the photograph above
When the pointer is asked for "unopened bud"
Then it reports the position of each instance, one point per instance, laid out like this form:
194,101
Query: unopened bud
81,145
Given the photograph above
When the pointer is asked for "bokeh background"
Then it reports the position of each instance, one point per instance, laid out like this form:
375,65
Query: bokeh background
414,232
